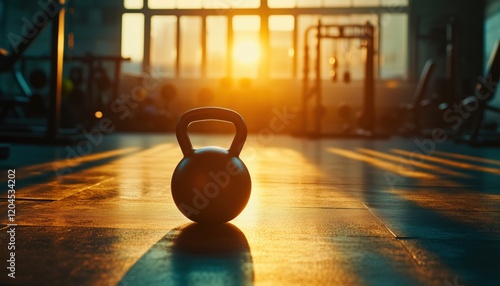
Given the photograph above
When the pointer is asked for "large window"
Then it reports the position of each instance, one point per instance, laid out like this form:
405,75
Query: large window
190,47
133,4
163,45
394,46
281,51
205,35
199,4
133,41
216,47
246,46
163,4
334,3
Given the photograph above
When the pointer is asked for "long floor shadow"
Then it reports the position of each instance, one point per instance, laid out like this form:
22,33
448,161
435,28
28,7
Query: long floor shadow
467,245
469,249
195,254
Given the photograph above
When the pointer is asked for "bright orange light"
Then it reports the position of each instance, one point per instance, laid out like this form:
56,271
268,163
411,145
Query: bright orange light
391,167
246,52
467,157
98,114
452,163
392,84
407,162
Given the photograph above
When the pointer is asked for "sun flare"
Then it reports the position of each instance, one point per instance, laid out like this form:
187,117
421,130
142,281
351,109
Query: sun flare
246,52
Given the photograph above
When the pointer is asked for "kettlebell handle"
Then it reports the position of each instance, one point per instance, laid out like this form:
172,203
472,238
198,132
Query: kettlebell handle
211,113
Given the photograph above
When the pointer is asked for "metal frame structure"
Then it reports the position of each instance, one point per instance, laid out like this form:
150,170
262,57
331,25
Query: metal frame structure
56,73
335,32
264,11
51,133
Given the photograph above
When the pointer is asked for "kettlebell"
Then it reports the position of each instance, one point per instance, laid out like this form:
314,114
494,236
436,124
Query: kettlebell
211,184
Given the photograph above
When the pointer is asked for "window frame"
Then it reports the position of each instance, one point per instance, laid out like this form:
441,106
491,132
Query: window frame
264,12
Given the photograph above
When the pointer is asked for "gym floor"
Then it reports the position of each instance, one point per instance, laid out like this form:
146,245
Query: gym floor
322,212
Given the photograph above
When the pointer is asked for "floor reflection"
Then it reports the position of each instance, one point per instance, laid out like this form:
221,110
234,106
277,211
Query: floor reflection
196,254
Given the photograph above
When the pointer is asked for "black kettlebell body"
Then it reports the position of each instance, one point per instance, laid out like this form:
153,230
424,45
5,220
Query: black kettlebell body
211,184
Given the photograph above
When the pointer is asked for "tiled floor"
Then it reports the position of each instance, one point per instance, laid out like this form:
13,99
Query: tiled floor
322,212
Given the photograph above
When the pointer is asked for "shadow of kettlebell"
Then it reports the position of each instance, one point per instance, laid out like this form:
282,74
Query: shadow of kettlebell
196,254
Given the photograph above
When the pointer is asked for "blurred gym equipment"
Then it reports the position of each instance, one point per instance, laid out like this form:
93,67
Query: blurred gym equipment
338,32
480,102
32,105
411,112
425,113
89,77
347,55
334,62
38,79
50,134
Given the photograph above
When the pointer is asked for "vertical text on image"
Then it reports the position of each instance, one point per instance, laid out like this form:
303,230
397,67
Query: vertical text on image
11,226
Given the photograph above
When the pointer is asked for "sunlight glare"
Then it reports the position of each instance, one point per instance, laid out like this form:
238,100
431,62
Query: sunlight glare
133,36
246,52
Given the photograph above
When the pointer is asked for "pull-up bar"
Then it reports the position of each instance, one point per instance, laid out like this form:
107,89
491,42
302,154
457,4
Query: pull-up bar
363,32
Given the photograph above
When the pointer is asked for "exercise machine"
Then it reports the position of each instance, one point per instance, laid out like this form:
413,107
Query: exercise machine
480,102
411,113
89,77
51,134
337,32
